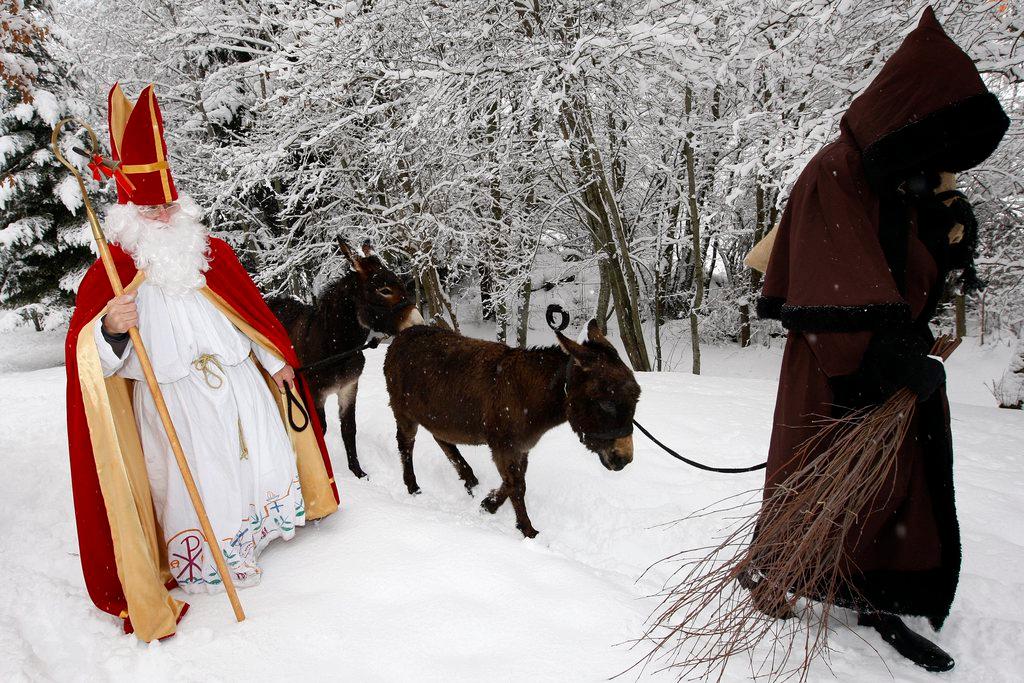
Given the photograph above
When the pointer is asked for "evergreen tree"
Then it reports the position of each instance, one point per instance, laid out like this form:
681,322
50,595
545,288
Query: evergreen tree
42,250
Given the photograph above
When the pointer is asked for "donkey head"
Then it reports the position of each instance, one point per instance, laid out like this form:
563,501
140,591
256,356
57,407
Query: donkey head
601,397
382,302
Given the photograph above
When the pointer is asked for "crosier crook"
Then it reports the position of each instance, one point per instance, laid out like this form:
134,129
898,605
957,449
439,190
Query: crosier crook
147,366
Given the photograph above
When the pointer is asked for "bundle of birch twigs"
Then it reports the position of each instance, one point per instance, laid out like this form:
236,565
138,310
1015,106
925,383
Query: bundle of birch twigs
785,563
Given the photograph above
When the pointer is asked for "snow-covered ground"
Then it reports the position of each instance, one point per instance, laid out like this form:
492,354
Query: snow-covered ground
430,587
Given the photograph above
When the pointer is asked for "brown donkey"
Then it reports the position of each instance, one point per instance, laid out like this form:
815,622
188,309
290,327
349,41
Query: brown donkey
370,298
470,391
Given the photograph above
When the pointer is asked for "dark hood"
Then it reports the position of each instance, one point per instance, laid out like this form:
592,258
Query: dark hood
926,110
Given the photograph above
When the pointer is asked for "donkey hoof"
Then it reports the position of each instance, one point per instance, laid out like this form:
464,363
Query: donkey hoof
414,490
490,504
529,531
358,472
469,487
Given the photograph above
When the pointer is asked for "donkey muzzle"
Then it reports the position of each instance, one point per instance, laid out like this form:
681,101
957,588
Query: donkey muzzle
619,455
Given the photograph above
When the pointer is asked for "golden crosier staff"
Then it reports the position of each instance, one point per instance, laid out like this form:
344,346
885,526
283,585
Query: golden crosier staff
147,369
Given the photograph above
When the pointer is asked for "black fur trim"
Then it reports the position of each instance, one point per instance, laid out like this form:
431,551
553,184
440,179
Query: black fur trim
954,138
769,307
844,318
832,318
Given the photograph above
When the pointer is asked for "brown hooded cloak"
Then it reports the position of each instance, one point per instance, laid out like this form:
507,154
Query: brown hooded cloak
853,267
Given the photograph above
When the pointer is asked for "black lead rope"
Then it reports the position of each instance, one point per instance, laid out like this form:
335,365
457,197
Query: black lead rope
293,403
558,320
338,357
694,463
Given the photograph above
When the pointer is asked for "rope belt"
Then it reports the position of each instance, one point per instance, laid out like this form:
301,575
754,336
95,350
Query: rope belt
243,448
206,364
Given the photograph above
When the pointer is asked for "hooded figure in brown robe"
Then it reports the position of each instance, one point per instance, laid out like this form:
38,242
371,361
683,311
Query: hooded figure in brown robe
856,272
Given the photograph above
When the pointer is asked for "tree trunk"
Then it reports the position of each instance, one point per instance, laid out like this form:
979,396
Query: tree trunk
983,321
657,319
486,292
698,262
710,264
603,294
744,324
761,228
501,321
961,316
606,227
437,303
524,314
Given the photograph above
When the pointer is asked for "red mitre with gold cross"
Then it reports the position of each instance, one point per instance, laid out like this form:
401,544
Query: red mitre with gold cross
137,141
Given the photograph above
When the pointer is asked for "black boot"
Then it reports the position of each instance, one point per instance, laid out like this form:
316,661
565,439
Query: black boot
914,647
772,607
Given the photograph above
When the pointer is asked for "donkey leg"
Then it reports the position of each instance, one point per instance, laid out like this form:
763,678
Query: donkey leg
459,463
347,416
320,399
517,493
496,498
406,440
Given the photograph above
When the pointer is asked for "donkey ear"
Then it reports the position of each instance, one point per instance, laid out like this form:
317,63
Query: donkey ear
350,256
577,351
594,332
596,336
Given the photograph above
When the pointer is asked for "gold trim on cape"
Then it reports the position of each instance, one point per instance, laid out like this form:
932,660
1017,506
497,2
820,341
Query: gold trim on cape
124,484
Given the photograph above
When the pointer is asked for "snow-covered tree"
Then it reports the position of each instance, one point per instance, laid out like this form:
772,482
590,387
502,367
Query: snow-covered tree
643,147
1009,389
43,249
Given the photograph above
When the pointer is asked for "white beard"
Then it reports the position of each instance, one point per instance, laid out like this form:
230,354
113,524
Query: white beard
173,255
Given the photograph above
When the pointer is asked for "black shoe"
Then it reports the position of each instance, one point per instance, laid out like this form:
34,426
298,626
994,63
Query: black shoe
914,647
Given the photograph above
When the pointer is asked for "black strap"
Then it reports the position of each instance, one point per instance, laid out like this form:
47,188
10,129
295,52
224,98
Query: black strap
694,463
294,401
338,357
563,317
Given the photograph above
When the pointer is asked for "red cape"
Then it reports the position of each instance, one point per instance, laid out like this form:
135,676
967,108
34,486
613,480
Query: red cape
228,279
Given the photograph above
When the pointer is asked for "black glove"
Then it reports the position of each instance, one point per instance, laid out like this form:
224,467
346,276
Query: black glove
893,360
924,375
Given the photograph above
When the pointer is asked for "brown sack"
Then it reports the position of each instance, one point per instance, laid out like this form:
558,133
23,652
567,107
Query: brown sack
762,251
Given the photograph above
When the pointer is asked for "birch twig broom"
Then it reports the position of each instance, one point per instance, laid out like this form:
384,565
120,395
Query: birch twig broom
729,597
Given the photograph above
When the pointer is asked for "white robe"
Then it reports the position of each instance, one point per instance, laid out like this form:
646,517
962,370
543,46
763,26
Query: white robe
230,429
